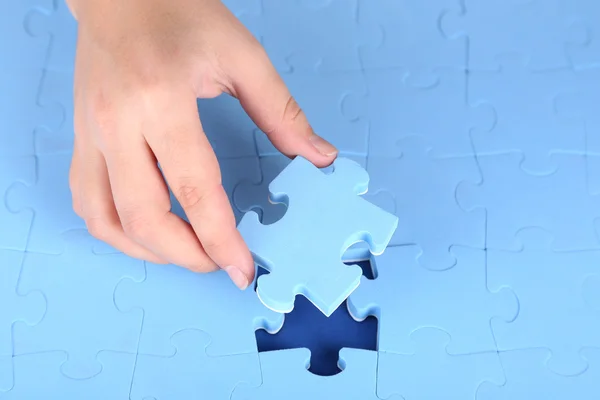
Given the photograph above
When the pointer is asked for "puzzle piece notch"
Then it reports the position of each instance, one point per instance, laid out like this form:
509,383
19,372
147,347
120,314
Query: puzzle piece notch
287,371
431,218
528,377
584,47
23,309
558,286
528,125
427,299
38,376
404,26
294,271
61,28
73,283
536,205
533,29
190,372
177,309
455,376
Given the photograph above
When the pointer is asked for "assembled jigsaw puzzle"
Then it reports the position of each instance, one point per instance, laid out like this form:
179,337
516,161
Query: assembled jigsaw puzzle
467,180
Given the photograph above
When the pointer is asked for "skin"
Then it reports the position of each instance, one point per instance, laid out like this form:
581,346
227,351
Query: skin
140,66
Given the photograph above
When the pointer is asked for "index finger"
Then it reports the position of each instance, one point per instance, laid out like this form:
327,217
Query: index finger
192,172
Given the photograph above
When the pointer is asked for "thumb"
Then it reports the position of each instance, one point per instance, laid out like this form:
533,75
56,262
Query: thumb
267,100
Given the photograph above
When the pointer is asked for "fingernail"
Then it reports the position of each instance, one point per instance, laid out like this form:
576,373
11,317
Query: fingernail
322,145
237,276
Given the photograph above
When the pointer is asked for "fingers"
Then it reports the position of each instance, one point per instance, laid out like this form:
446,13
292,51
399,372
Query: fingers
192,172
267,100
143,204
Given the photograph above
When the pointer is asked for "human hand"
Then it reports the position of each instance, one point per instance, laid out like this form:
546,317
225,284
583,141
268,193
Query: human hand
140,66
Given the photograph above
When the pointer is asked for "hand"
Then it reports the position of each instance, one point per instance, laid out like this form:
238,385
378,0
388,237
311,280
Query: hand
140,67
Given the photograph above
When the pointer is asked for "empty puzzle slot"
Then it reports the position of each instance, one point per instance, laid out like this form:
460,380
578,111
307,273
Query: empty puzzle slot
306,326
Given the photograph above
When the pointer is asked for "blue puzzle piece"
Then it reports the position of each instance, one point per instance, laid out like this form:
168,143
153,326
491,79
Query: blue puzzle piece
207,302
190,373
405,26
424,191
50,201
305,36
81,316
61,27
405,297
286,371
38,376
432,373
528,377
303,251
16,307
586,13
535,29
396,110
57,91
19,49
228,127
552,309
15,226
514,199
321,97
526,123
22,115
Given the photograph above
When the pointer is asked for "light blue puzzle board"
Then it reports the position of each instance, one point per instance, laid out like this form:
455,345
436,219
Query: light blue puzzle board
478,123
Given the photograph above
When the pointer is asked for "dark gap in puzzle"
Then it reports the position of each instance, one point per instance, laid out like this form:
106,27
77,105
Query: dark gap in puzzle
308,327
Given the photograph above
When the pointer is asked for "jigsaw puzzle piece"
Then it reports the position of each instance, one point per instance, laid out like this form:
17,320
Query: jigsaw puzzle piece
60,26
321,97
514,199
38,376
15,226
307,36
524,101
50,201
19,49
22,115
81,317
191,373
396,109
15,308
553,312
305,260
455,377
405,26
208,302
535,29
228,127
586,13
286,371
424,191
426,298
528,377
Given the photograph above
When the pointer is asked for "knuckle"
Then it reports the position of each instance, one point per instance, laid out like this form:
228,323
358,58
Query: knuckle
136,226
189,195
98,228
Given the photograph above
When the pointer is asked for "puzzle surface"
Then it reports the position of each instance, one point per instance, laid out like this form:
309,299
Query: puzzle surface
474,124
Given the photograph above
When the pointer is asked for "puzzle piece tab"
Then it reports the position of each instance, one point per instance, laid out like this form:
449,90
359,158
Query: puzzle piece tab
424,187
432,373
586,13
208,302
526,123
286,371
405,297
38,376
303,251
553,312
15,309
514,199
51,203
81,317
528,377
190,373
